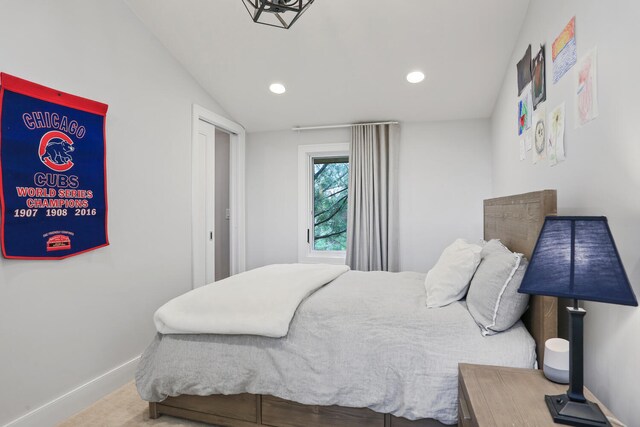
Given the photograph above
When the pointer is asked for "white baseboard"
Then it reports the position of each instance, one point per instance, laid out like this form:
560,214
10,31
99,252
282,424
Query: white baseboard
74,401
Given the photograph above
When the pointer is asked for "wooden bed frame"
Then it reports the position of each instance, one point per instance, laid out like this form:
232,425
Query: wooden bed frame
515,220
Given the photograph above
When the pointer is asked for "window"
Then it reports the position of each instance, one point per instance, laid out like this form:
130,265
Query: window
323,191
330,190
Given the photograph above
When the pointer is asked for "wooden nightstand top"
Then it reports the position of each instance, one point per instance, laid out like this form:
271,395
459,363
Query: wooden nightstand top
499,396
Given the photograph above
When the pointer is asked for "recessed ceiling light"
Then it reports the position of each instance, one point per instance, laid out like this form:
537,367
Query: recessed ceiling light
415,77
277,88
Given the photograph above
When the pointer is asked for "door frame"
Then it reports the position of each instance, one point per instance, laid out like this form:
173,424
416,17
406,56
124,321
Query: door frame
237,221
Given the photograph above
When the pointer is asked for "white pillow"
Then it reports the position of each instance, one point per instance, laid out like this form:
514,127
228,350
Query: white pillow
449,279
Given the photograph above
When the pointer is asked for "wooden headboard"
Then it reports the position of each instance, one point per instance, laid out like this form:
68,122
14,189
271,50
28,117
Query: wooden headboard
517,221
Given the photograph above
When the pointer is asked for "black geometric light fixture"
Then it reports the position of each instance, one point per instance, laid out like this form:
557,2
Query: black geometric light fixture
276,13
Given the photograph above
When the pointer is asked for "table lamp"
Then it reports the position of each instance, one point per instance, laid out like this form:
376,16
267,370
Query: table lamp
575,257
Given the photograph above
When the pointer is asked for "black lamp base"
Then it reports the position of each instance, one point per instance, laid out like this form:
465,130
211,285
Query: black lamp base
572,413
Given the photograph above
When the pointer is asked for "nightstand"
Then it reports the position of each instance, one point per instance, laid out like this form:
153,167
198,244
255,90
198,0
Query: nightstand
493,396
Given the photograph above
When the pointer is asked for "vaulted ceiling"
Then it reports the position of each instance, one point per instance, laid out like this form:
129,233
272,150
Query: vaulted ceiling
343,61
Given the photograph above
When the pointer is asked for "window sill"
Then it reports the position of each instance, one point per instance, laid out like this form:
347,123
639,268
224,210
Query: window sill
320,258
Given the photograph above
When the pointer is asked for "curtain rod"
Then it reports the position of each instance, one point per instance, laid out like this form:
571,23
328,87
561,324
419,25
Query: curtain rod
346,125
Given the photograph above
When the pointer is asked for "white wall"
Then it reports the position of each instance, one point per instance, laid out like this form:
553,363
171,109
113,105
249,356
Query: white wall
63,323
444,176
601,175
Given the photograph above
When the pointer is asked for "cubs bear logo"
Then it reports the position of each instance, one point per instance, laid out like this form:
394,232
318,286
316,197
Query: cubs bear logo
54,151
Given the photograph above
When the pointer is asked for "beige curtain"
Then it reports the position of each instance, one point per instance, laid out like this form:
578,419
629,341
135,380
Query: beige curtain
372,204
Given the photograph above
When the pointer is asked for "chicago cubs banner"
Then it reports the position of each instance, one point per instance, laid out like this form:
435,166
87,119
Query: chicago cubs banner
52,172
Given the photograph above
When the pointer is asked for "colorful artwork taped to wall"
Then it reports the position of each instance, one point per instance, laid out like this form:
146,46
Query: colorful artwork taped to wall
564,51
524,70
53,183
525,110
539,135
586,89
555,135
538,78
522,116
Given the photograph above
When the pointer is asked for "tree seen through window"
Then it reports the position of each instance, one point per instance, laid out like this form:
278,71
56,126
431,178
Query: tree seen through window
330,190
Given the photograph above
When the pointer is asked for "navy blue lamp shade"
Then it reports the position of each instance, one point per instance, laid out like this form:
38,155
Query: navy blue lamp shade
576,257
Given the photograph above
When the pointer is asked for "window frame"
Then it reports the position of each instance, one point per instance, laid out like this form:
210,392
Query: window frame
306,154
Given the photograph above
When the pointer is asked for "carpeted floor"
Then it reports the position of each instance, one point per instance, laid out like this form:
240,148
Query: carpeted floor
123,408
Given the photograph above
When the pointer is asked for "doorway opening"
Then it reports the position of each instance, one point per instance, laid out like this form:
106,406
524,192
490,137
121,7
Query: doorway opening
222,212
218,225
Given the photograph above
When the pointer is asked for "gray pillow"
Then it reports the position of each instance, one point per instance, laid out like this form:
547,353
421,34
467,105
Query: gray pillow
493,299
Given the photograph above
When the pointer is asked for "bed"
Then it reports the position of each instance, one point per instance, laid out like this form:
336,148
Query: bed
225,386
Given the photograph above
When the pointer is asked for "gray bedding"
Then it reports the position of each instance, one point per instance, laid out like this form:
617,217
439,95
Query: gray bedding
364,340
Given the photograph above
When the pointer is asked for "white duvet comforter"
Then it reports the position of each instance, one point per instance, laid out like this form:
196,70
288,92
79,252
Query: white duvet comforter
257,302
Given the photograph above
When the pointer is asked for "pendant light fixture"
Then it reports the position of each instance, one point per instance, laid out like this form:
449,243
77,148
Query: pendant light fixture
276,13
